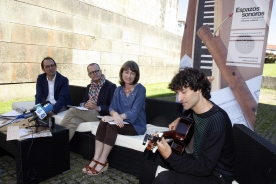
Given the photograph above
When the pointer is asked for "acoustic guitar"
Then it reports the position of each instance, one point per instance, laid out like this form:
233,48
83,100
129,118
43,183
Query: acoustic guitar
180,137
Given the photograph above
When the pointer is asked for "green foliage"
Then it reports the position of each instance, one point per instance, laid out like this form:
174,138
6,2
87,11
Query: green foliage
270,58
269,69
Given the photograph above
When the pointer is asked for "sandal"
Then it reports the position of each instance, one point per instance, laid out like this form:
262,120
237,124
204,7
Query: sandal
94,172
88,168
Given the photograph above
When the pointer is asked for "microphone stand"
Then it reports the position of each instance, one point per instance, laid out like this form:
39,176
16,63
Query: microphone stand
42,123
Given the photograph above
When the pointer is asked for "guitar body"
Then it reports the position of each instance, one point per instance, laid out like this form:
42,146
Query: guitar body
181,136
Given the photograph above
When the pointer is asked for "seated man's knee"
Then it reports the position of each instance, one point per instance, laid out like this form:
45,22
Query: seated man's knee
162,177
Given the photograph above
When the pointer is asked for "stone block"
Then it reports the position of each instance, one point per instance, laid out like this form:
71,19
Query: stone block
5,74
23,13
144,60
60,55
24,72
117,46
5,51
23,53
127,57
85,56
30,35
150,51
40,3
131,36
103,45
80,9
61,21
86,27
94,13
114,71
134,49
106,17
109,58
6,12
162,53
72,72
5,32
83,42
106,70
111,32
118,20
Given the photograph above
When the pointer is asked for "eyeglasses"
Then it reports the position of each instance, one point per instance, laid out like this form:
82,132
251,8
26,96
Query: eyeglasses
94,72
49,66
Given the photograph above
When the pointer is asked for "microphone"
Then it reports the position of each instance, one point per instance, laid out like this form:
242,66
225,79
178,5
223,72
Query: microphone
24,115
41,112
38,105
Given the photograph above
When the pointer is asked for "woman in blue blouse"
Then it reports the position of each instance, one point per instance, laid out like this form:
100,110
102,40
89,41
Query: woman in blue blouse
127,105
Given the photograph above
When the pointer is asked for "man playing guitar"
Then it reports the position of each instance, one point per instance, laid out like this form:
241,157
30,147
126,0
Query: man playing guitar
212,160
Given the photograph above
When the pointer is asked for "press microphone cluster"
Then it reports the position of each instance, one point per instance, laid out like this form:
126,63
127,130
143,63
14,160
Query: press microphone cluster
41,112
39,105
31,112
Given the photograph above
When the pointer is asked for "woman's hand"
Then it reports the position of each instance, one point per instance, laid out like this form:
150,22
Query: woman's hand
118,119
174,124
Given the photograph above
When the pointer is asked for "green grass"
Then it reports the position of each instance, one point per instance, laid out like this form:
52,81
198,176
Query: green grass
158,90
269,69
6,106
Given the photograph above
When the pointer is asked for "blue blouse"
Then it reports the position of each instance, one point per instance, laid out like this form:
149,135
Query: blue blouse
133,106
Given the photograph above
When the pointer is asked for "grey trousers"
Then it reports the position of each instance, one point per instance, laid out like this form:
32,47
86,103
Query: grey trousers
74,117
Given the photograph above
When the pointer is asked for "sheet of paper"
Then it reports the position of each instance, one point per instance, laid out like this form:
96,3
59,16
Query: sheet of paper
78,107
227,101
27,133
13,133
12,113
111,122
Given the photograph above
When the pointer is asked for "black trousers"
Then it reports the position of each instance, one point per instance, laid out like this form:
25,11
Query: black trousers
107,133
151,162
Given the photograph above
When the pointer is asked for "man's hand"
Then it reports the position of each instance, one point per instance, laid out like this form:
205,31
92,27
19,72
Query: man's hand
164,148
174,124
91,105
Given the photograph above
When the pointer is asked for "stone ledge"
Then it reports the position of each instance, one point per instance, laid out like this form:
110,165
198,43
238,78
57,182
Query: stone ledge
269,82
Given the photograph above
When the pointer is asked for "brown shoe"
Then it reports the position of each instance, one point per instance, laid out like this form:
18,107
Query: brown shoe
87,167
94,172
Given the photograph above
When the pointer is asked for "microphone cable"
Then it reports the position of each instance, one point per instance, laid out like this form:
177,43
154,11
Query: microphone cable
28,153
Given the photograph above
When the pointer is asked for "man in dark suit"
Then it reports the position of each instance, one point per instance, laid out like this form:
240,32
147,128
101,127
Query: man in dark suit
52,86
97,99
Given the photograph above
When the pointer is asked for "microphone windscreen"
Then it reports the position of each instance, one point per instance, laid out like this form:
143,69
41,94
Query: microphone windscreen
42,112
47,108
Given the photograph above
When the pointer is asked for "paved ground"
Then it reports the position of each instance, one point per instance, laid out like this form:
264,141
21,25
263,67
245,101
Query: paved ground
265,126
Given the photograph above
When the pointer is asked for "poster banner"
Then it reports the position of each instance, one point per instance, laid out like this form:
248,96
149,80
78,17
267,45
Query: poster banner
234,56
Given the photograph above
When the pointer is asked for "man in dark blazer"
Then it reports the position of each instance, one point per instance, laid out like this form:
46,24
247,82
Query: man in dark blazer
97,99
52,86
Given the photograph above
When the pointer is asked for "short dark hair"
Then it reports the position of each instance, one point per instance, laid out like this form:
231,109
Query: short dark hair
47,58
132,65
91,64
193,78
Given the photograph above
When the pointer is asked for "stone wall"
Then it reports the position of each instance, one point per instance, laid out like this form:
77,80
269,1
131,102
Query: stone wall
269,82
78,32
